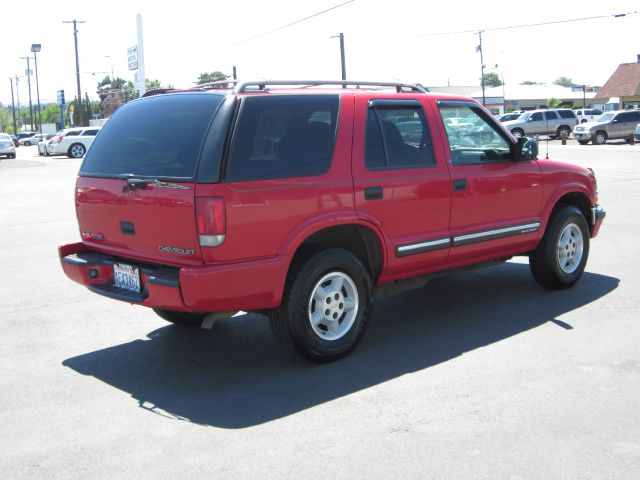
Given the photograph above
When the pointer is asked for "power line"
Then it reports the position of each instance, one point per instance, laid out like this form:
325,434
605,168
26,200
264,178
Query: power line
280,28
510,27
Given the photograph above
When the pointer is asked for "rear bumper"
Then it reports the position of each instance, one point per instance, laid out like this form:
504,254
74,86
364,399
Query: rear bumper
251,285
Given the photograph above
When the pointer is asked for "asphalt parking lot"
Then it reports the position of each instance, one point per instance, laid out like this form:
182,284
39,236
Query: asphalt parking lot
477,375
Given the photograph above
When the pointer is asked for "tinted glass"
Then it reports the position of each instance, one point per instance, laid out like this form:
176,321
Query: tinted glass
90,133
536,117
550,115
72,133
480,143
566,114
283,136
397,138
157,136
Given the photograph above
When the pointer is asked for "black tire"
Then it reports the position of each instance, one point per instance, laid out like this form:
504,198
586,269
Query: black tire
564,129
517,132
600,138
583,142
184,319
27,144
292,323
77,150
13,155
567,229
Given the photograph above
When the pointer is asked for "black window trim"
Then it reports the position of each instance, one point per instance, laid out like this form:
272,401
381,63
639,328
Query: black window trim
406,103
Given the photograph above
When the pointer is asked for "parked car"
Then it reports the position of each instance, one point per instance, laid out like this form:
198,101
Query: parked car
32,140
587,114
637,133
552,121
42,144
22,135
506,117
295,202
7,147
73,142
608,126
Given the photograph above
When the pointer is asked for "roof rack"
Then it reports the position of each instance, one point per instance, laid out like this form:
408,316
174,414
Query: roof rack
244,86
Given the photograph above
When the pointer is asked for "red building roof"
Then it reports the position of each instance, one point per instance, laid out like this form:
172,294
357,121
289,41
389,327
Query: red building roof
625,82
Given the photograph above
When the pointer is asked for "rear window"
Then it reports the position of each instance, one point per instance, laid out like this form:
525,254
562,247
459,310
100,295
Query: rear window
283,136
157,137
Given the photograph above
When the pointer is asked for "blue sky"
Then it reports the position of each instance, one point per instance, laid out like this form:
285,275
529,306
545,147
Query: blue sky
384,41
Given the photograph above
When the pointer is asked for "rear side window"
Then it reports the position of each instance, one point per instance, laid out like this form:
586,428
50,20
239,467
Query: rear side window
72,133
283,136
90,133
397,137
550,115
157,137
566,114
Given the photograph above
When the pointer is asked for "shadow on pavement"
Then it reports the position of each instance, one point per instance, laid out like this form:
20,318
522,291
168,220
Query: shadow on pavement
238,376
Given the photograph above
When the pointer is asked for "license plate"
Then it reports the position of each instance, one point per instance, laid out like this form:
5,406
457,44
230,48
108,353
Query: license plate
126,277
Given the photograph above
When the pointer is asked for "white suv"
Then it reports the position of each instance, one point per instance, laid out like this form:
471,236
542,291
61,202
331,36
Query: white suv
73,142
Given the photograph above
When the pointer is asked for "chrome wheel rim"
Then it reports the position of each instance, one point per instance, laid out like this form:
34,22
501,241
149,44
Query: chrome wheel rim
77,151
333,306
570,248
600,139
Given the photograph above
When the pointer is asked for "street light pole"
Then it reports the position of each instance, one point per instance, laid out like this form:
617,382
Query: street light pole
35,48
29,82
18,100
75,37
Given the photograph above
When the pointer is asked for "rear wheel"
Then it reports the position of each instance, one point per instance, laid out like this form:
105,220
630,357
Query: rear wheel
326,306
561,257
600,138
564,130
76,150
184,319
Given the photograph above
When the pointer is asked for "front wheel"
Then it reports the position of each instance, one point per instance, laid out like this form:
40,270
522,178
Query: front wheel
326,306
561,257
517,132
600,138
76,150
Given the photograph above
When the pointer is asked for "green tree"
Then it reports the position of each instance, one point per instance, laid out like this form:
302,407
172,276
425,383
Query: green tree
51,113
563,81
211,77
492,79
554,103
529,82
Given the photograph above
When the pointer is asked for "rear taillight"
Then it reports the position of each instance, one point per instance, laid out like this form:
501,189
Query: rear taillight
211,221
59,139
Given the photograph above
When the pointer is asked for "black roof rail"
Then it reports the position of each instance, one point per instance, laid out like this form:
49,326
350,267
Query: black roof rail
244,86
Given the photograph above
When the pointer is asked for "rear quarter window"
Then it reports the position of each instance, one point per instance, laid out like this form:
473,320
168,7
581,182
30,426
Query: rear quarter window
157,137
567,114
283,136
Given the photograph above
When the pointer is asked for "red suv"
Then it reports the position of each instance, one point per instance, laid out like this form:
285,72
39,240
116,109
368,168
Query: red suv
300,199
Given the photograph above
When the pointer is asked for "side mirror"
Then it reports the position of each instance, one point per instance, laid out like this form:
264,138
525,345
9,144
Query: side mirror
526,149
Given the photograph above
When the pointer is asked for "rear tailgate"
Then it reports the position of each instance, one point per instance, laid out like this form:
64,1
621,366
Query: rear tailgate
154,222
135,196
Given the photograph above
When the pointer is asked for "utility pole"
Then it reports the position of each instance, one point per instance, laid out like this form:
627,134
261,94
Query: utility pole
13,108
479,49
75,37
29,82
18,99
342,58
